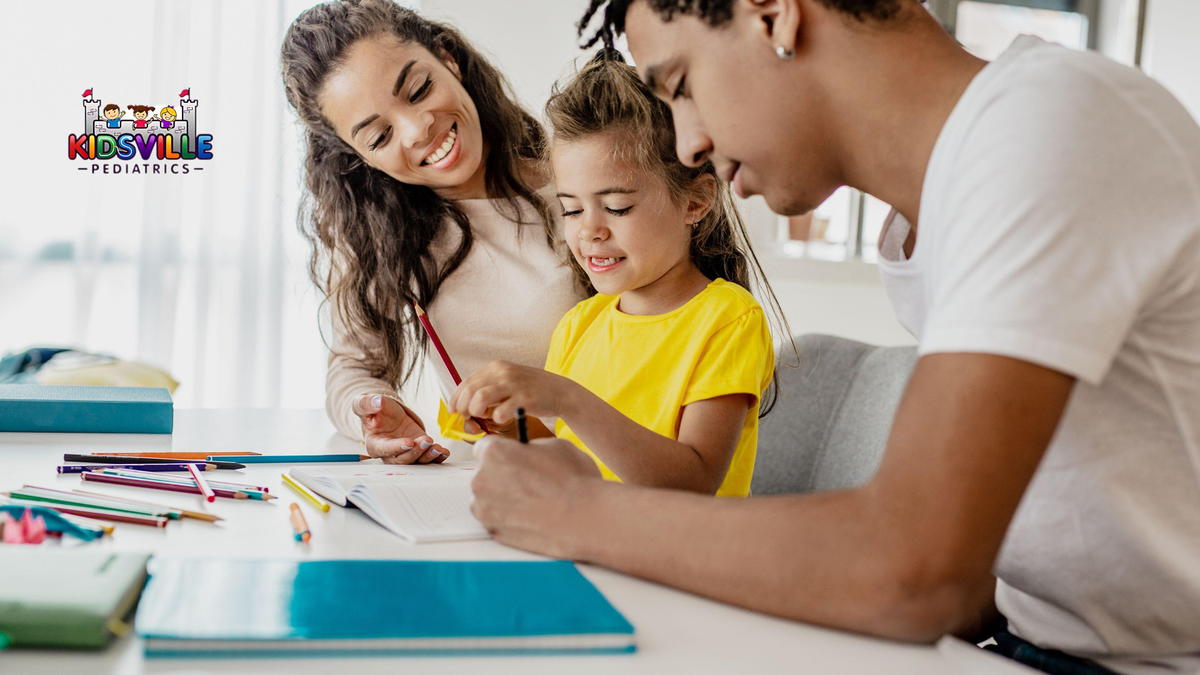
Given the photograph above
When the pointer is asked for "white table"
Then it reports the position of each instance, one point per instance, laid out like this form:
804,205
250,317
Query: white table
677,632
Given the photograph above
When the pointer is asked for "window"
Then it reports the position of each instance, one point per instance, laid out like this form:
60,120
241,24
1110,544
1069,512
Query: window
847,225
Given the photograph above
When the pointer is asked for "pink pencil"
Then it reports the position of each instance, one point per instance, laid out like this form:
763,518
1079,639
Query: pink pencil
202,484
170,487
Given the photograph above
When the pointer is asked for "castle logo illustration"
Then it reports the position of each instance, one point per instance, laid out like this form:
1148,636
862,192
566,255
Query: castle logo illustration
159,140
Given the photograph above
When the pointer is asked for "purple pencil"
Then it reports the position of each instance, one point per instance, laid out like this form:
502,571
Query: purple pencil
80,468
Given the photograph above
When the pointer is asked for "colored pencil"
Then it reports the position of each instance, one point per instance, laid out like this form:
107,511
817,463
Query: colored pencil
184,480
299,524
209,495
178,455
112,459
437,344
80,468
252,491
35,493
105,528
334,457
304,492
156,485
185,513
98,514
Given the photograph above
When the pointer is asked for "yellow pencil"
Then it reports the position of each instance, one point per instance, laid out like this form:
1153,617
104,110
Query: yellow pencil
304,492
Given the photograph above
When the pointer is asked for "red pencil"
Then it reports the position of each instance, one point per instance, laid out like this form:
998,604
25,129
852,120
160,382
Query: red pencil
136,482
437,344
205,490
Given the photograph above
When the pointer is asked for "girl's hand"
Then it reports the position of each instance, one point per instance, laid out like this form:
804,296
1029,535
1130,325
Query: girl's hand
499,388
391,432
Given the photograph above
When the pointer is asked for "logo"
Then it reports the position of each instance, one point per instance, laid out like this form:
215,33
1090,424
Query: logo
143,139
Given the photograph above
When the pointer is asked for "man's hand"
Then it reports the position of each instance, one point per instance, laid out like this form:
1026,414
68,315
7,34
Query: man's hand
391,432
528,495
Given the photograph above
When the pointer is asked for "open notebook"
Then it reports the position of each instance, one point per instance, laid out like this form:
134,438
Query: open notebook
419,503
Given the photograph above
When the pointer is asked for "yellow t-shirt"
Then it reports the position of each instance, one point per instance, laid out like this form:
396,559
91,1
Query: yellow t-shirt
650,367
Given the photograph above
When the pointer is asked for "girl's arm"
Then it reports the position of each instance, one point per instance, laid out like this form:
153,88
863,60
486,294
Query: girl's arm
707,437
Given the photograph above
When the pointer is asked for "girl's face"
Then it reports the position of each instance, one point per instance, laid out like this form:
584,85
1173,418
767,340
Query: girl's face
168,116
407,114
620,222
140,114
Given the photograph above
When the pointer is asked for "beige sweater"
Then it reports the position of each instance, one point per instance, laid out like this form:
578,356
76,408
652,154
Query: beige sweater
503,302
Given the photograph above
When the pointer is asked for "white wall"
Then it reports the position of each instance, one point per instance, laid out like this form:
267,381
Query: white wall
1171,53
531,42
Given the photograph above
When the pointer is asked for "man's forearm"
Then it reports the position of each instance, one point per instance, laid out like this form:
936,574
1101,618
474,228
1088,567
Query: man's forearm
829,558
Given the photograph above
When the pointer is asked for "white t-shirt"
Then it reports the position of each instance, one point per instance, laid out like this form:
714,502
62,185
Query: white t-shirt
1060,225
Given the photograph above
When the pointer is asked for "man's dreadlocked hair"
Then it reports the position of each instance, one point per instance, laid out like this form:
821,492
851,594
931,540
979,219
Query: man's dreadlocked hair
713,12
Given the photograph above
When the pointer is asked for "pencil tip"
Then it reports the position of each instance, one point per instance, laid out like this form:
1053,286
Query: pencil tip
418,310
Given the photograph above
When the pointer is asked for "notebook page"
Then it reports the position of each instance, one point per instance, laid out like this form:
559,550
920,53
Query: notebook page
420,512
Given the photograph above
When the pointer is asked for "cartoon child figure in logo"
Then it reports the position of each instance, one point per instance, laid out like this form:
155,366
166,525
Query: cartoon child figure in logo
166,117
113,114
140,113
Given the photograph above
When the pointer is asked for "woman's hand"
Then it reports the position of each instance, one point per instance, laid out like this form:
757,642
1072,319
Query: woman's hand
499,388
392,433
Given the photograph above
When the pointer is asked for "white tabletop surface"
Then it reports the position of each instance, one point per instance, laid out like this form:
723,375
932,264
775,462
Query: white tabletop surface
676,631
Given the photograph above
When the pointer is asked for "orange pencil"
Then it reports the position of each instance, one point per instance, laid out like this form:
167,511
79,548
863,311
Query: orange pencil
299,524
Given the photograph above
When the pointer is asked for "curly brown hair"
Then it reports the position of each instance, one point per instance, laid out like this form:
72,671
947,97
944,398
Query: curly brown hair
371,234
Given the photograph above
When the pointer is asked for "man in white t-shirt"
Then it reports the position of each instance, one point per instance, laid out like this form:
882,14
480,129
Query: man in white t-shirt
1044,250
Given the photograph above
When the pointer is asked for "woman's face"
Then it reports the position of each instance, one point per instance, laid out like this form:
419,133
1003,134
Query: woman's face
407,114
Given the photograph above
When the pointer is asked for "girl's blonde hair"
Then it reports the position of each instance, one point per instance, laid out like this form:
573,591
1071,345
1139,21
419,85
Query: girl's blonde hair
166,110
606,96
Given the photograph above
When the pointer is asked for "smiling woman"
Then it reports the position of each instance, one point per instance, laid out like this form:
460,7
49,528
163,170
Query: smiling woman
423,180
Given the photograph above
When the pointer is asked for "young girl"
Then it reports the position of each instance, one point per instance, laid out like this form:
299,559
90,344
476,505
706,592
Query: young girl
140,113
659,376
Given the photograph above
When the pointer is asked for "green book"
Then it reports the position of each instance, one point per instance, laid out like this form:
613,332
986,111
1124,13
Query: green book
79,598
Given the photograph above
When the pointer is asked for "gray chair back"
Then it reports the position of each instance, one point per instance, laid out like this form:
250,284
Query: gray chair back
833,415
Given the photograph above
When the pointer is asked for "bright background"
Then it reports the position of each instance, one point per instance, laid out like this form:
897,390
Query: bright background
205,274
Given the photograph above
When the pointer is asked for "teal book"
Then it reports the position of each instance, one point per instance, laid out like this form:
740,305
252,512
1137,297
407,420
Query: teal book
214,608
85,409
66,597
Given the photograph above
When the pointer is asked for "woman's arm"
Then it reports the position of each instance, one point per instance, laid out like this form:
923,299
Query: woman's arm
388,428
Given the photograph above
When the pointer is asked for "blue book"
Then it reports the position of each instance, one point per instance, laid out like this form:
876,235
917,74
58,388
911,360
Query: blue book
214,608
85,409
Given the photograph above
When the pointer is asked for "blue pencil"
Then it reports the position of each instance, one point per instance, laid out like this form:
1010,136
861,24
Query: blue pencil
256,459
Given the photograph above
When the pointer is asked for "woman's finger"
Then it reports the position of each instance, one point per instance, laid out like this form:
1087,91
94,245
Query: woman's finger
403,449
367,404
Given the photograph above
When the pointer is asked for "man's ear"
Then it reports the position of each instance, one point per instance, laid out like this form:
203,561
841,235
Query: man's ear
702,198
777,22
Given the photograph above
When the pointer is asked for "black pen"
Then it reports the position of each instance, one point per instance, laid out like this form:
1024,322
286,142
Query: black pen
522,432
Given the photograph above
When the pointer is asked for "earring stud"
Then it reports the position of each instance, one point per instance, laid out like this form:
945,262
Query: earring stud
784,53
